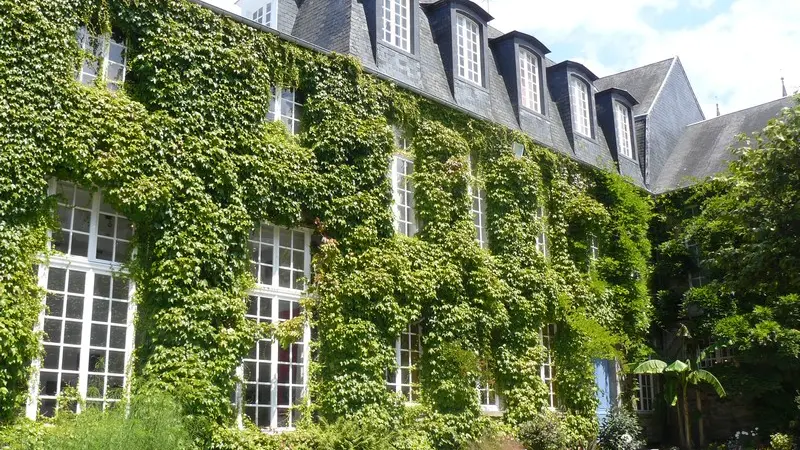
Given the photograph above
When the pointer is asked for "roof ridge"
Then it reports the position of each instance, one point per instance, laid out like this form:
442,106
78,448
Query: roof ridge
738,111
640,67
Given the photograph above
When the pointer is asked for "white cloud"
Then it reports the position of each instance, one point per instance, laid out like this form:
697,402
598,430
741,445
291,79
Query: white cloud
229,5
735,58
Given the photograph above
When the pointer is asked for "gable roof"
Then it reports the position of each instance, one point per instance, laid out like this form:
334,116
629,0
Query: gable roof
704,150
643,83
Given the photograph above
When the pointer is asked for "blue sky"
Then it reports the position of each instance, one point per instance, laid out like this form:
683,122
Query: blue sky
734,51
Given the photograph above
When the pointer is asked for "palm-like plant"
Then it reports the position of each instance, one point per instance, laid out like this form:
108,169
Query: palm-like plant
678,376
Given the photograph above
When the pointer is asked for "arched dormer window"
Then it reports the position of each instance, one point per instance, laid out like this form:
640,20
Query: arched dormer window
396,16
581,104
468,49
622,117
530,80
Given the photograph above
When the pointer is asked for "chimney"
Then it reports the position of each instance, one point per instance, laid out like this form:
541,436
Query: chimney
783,85
718,114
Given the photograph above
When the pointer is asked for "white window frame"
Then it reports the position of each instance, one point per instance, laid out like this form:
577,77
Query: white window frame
716,356
547,369
266,14
594,247
529,80
395,381
469,49
397,23
581,106
403,194
696,278
478,210
541,238
277,295
624,134
93,268
288,110
102,51
489,399
646,394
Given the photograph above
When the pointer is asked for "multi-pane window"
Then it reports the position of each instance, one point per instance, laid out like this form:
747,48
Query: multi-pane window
270,244
468,35
403,189
264,14
275,378
646,395
397,23
541,238
401,141
624,135
287,106
548,366
90,227
716,355
408,350
107,59
696,275
488,398
580,107
479,215
87,321
594,247
529,80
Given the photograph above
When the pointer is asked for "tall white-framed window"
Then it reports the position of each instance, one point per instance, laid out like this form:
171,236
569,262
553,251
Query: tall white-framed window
468,46
594,247
107,61
541,238
403,191
265,13
274,379
548,366
646,395
624,135
580,106
479,215
529,80
397,23
287,106
87,319
408,351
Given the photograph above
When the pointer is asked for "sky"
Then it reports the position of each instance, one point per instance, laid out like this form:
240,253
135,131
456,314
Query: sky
734,51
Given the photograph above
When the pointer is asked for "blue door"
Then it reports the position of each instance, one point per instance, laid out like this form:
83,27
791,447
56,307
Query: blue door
605,376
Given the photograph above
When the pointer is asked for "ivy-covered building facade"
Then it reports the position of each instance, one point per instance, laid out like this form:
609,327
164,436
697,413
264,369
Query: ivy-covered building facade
382,210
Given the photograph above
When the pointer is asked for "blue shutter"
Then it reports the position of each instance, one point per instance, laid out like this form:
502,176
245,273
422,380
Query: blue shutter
605,376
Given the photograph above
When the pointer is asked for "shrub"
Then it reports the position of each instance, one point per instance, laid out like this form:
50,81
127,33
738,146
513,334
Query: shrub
780,441
544,432
154,421
620,431
24,434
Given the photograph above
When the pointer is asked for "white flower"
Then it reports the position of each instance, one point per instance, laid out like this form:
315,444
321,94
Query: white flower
745,433
627,438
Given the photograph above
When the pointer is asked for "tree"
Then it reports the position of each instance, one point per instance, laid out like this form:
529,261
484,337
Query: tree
748,230
678,376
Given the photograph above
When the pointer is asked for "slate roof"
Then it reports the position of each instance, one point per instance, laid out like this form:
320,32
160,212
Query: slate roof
704,150
661,90
643,83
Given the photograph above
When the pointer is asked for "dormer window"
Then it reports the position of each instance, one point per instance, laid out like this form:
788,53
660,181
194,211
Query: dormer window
262,12
469,49
396,23
624,135
529,80
580,106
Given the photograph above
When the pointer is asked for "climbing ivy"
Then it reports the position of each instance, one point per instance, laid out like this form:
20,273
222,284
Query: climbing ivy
185,151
